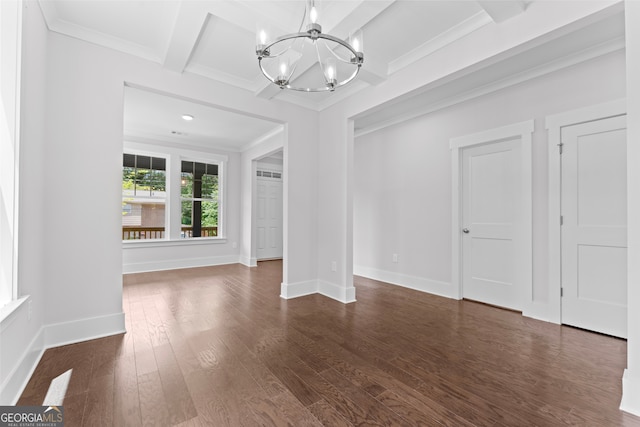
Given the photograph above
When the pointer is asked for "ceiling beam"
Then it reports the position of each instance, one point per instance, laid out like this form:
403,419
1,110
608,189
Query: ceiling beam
501,10
190,23
372,71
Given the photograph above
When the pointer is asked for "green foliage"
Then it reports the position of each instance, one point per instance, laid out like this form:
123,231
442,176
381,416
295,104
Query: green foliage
143,180
210,214
209,204
187,208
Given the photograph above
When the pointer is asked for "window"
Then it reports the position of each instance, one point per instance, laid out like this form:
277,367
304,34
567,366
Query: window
168,196
199,199
143,197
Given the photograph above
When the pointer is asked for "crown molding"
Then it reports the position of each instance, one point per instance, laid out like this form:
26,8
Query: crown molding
453,34
57,25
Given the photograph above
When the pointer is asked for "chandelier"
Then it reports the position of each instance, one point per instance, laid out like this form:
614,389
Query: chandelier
338,61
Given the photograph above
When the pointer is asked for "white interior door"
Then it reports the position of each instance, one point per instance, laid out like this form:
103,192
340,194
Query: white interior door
594,226
490,182
269,218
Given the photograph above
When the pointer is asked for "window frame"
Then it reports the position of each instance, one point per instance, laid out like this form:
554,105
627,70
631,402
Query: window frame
165,199
221,169
174,157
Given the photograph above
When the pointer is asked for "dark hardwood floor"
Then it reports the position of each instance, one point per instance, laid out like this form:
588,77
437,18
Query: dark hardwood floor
217,346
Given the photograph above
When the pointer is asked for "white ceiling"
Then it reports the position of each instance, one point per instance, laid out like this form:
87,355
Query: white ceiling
158,117
216,39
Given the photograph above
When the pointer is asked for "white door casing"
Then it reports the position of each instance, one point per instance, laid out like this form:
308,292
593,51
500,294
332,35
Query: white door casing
594,225
549,309
269,218
490,219
521,235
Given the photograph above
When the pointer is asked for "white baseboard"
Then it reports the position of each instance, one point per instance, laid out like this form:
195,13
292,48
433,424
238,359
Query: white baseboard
16,382
299,289
248,262
55,335
540,311
173,264
435,287
76,331
630,393
337,292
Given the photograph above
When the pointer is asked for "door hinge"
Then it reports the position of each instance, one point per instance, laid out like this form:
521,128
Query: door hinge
560,147
561,292
561,220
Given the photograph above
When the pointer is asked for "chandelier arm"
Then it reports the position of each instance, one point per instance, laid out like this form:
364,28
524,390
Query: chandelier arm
338,41
304,17
306,35
264,72
320,62
338,57
357,63
295,65
281,39
351,77
288,48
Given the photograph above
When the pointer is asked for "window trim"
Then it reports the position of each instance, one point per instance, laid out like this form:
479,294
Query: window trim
175,156
165,199
221,193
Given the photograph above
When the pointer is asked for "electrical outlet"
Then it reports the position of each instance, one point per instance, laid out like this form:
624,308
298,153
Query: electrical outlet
334,266
394,258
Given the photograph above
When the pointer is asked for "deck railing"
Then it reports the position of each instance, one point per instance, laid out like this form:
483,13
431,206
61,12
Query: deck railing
143,233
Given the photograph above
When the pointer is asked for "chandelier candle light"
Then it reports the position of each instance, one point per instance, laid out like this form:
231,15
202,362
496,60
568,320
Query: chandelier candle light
278,58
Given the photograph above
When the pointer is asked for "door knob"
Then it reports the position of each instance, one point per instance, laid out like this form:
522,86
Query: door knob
465,230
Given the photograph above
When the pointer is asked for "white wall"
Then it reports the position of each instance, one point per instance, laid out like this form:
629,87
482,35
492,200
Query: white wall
335,268
83,166
402,195
11,39
631,381
300,201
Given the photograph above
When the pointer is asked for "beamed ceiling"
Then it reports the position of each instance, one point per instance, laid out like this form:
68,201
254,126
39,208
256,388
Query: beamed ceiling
216,40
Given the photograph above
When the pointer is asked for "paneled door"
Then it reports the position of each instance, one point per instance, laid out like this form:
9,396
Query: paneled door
594,226
490,182
269,218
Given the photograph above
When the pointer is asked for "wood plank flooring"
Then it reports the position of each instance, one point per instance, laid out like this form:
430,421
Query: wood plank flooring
218,347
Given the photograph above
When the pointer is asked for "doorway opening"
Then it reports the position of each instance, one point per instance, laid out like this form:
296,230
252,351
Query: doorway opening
269,206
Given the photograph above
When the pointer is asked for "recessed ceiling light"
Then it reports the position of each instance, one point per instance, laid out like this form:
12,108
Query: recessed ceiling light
187,117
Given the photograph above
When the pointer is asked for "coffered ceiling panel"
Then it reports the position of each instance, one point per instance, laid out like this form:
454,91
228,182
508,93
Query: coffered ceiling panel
406,25
225,49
